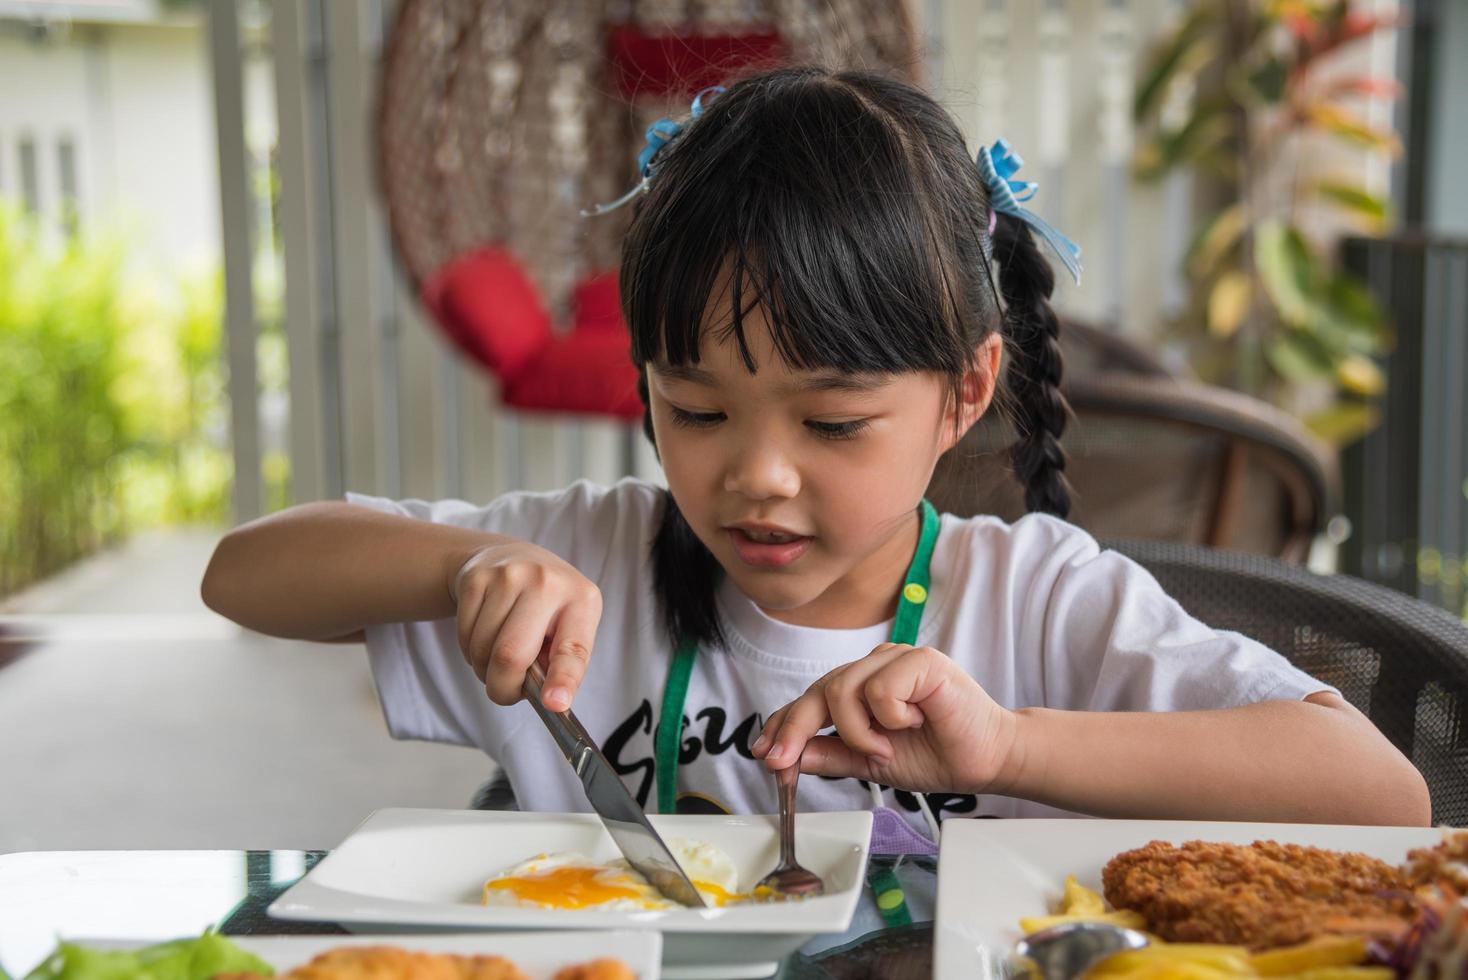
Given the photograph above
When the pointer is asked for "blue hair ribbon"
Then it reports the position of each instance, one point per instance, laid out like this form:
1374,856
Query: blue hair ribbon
997,165
658,135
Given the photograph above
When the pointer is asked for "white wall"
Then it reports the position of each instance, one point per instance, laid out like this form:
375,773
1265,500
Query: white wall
164,159
45,98
135,99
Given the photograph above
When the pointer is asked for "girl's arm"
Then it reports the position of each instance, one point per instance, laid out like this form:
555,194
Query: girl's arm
1313,761
325,571
911,718
320,571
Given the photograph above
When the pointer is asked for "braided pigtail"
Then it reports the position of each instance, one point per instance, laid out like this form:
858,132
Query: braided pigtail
1026,282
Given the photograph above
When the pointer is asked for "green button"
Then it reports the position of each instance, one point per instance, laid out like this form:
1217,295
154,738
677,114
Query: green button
914,593
889,900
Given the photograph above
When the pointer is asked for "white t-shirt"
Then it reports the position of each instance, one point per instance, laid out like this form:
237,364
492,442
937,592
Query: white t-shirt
1035,611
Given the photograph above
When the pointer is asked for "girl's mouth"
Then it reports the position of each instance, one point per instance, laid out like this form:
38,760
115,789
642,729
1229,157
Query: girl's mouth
768,549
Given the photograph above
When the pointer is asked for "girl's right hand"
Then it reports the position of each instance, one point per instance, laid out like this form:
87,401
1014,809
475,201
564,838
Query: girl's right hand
515,601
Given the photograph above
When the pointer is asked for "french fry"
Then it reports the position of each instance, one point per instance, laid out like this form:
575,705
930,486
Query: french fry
1346,973
1159,969
1080,900
1326,951
1230,961
1081,904
1126,919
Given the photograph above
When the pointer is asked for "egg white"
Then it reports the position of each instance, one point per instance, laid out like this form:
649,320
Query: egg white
705,864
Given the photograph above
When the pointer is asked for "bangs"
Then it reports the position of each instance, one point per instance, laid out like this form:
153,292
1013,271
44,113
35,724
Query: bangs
798,197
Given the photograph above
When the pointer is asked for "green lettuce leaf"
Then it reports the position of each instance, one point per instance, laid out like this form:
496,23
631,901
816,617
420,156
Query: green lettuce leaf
202,958
213,954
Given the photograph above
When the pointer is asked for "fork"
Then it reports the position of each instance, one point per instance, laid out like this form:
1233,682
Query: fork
789,879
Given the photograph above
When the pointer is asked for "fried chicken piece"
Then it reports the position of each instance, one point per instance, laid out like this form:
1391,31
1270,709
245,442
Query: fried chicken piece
602,969
394,963
1445,864
1261,896
487,968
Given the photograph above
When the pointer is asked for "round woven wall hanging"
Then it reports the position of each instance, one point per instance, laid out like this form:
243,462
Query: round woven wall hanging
499,121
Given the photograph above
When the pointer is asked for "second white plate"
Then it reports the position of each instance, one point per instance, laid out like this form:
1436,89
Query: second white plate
993,872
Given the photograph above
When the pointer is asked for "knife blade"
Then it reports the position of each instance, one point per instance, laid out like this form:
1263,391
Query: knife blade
609,797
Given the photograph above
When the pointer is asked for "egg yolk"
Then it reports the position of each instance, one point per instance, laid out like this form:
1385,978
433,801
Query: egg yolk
569,887
716,895
583,887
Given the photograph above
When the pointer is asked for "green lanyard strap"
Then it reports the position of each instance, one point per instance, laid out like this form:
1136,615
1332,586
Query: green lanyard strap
914,594
670,728
667,742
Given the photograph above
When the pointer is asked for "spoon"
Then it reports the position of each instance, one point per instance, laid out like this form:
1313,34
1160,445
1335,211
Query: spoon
1066,951
789,878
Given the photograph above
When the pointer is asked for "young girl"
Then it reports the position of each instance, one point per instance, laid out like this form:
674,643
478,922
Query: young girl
822,289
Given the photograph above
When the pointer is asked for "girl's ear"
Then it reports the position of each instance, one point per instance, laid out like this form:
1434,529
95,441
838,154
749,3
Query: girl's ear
975,390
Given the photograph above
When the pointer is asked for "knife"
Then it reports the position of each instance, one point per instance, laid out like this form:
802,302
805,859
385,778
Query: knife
619,812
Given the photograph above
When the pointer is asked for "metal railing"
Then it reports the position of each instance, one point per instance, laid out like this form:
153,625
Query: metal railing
1407,481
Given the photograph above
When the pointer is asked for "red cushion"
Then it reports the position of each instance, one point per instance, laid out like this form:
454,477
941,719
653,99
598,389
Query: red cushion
490,309
678,64
589,371
596,304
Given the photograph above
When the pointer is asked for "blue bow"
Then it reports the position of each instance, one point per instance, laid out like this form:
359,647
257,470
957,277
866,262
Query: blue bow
997,165
658,135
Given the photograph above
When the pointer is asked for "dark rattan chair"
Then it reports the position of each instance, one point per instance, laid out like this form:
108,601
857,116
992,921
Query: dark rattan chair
1162,458
1089,350
1401,661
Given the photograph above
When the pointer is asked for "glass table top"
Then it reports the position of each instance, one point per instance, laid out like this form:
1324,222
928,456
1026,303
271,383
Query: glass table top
158,895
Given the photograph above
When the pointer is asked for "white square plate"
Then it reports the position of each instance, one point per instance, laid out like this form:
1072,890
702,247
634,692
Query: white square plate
422,870
993,872
538,954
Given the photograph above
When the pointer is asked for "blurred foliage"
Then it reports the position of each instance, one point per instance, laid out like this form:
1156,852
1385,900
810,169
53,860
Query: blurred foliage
112,411
1241,92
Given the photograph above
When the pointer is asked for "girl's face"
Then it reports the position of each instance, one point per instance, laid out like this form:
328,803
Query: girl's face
805,484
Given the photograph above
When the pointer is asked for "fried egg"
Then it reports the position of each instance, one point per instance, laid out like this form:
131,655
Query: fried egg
568,880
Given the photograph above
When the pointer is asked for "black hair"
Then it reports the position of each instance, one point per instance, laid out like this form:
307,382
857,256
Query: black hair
846,205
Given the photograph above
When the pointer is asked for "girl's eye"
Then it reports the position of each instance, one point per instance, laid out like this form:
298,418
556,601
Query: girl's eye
837,430
694,420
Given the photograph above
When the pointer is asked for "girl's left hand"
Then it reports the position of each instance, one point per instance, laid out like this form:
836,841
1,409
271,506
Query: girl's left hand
905,717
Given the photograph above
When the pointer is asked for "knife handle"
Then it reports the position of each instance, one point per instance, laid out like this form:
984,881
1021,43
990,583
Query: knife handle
570,737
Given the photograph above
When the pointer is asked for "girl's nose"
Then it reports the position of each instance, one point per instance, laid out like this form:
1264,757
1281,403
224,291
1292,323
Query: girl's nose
761,471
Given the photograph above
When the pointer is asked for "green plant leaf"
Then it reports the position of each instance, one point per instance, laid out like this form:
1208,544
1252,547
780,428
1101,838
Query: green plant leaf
1360,376
1219,238
1228,303
1263,83
109,397
1353,303
1344,422
1354,198
1350,127
1299,357
1207,128
1349,319
1176,53
1289,271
